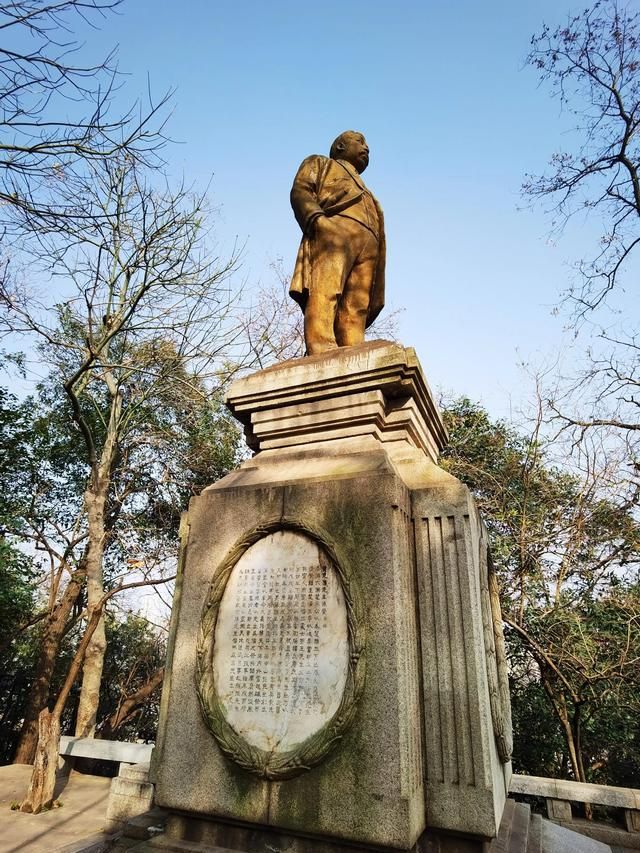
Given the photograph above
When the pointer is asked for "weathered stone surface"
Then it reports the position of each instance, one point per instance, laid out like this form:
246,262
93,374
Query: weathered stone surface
190,771
557,839
558,810
632,820
131,794
520,832
281,649
580,792
466,780
208,835
105,750
370,788
143,827
523,832
618,838
134,772
347,449
375,389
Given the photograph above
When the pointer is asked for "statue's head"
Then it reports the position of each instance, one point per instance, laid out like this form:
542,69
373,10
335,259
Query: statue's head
352,147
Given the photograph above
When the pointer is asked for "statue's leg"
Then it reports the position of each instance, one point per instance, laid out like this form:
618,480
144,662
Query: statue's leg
331,261
351,314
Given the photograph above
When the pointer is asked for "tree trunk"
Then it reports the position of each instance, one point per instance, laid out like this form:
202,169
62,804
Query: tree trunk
95,505
95,502
576,727
574,758
560,708
43,779
54,631
91,679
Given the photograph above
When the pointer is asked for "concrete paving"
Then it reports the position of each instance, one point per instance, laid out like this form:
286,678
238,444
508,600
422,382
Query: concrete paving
83,812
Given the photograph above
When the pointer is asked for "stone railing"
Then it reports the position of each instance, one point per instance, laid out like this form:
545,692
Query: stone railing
105,750
560,793
131,793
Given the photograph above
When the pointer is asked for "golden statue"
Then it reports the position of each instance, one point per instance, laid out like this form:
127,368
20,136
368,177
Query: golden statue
339,275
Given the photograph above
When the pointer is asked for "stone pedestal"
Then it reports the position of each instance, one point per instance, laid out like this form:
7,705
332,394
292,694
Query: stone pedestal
335,671
130,795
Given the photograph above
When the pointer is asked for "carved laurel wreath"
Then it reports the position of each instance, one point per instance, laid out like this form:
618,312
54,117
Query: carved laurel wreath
497,672
283,765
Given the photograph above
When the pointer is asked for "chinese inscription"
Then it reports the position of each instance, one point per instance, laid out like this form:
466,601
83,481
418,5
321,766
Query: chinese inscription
281,650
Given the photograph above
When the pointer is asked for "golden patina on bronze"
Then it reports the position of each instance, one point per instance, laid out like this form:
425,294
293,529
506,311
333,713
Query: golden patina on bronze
339,274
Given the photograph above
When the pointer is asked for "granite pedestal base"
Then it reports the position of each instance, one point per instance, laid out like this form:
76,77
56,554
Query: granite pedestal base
335,667
186,833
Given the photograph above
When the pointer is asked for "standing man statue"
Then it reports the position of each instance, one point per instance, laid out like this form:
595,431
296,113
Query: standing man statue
339,276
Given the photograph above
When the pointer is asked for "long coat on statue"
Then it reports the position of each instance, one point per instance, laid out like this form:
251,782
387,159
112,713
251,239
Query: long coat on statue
327,187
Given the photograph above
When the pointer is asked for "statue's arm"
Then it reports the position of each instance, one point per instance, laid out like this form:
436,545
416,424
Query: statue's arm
306,189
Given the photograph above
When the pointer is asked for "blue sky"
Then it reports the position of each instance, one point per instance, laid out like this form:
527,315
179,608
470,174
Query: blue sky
453,119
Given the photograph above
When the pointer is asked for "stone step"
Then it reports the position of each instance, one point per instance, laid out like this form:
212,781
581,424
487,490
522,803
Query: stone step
501,841
161,844
519,837
145,826
514,833
618,838
100,842
123,845
534,844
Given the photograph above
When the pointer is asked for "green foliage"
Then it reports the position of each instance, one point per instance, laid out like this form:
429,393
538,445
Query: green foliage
567,550
538,745
17,665
41,476
178,442
17,574
16,591
135,650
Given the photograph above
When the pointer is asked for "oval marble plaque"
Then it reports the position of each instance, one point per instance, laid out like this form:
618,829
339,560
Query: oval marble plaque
280,656
281,651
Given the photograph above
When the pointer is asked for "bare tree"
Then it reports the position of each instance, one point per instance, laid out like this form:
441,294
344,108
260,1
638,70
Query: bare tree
57,113
601,396
146,329
592,64
274,325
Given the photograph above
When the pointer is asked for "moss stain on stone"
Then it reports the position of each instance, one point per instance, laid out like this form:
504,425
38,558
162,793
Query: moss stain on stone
346,524
245,786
